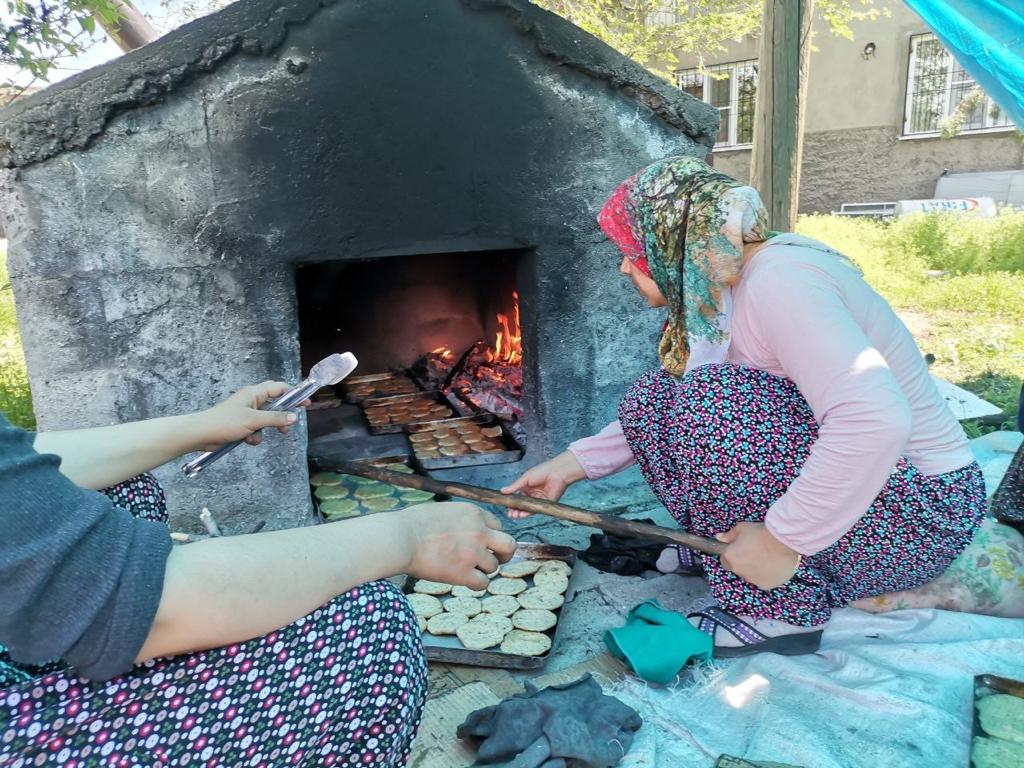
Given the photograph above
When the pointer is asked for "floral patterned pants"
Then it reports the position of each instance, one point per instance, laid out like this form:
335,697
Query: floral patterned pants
721,445
343,686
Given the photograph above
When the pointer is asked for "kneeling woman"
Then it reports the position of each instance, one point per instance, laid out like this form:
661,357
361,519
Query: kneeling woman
793,417
273,649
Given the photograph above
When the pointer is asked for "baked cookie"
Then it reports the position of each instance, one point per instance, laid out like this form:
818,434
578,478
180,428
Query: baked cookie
523,643
467,606
540,599
534,619
500,605
446,623
521,568
325,478
424,605
553,581
502,586
426,587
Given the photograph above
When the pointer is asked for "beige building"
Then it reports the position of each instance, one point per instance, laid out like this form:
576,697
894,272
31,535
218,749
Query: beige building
875,106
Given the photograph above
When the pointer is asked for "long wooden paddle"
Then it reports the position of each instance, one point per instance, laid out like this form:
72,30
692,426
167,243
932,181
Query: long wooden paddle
609,523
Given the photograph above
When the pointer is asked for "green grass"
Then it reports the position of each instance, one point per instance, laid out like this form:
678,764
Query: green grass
957,282
15,398
959,285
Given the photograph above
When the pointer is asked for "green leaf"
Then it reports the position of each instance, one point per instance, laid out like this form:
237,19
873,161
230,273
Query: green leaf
88,24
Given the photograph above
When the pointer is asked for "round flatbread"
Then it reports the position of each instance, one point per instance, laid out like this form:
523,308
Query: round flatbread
382,504
534,619
331,492
432,454
413,496
467,606
357,480
404,469
426,587
502,586
541,599
500,605
424,605
491,431
421,623
461,591
559,566
520,568
375,491
339,509
485,447
502,623
522,643
325,478
478,636
553,581
449,442
1002,716
456,450
446,623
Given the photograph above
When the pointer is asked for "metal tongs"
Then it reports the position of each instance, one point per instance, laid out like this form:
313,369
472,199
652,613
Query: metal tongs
328,371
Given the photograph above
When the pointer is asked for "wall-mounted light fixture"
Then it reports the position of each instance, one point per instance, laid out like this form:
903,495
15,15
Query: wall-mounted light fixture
869,51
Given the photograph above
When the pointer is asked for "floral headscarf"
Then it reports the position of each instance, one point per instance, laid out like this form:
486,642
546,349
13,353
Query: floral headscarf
684,225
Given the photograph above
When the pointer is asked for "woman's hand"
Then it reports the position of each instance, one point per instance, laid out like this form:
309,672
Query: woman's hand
453,542
758,557
239,418
546,481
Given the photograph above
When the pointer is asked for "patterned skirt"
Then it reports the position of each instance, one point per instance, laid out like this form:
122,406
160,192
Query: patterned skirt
721,445
344,685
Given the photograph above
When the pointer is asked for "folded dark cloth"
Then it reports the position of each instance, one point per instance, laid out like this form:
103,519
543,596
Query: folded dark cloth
575,724
625,555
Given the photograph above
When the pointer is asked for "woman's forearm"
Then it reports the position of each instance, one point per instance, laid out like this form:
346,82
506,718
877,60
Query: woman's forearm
228,590
104,456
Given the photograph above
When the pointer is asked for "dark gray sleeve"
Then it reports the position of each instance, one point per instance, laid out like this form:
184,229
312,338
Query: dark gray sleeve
80,579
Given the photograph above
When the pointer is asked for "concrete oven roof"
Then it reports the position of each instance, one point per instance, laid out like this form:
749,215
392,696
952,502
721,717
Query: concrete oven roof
72,114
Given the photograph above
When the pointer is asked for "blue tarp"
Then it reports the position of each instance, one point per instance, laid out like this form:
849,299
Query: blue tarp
987,38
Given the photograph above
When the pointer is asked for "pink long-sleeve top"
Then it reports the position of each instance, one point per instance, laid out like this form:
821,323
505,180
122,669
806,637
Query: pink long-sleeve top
800,313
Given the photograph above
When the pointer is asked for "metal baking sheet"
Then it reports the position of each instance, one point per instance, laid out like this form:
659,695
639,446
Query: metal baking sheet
384,429
376,462
987,685
372,378
448,649
514,450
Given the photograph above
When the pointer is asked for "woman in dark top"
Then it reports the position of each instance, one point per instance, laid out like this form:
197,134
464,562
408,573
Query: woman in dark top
271,649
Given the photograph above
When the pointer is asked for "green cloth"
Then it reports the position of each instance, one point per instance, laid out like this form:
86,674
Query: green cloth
657,643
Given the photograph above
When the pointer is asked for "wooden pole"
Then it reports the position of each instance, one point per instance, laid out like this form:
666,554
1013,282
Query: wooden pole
783,67
131,30
608,523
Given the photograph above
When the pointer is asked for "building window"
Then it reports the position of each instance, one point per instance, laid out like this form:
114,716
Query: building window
939,90
732,89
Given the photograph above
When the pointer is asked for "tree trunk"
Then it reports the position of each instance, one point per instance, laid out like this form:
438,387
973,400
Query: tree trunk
132,30
781,100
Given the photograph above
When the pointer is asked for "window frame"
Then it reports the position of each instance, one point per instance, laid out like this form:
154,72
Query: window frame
707,74
947,109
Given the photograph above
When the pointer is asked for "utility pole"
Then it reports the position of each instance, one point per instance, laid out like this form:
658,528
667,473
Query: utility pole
783,68
131,30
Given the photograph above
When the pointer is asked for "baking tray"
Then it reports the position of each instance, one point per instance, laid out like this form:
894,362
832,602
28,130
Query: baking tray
385,429
362,509
448,649
987,685
514,451
371,378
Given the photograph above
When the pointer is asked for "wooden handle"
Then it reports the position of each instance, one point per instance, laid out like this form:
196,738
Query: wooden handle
609,523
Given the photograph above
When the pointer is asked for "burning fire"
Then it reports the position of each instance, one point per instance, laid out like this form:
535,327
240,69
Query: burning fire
444,352
508,344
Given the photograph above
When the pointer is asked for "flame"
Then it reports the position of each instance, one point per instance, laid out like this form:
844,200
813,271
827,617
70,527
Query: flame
508,342
444,352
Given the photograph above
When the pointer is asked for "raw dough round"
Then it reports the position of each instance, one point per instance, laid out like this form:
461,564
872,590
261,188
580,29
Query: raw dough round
338,509
461,591
381,504
414,496
501,586
534,619
467,606
425,587
421,623
523,643
446,623
424,605
503,623
325,478
541,599
331,492
560,566
553,581
477,636
520,568
1002,716
376,491
500,605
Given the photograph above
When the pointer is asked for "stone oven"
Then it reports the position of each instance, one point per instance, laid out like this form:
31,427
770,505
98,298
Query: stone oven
192,217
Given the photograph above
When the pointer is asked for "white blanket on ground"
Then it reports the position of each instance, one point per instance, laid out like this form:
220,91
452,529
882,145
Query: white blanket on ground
884,691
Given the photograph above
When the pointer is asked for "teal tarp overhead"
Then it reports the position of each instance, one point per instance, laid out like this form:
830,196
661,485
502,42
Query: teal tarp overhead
987,38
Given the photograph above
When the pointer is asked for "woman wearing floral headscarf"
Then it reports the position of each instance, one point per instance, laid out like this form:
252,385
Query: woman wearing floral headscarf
793,416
